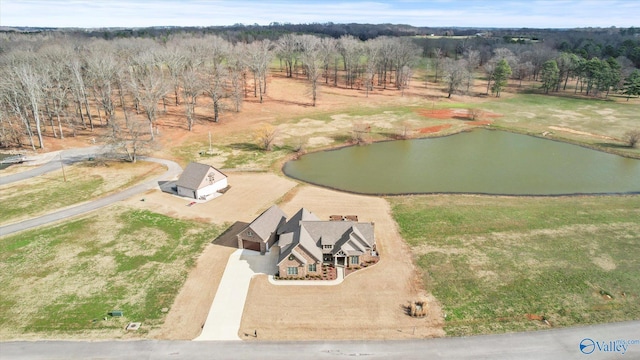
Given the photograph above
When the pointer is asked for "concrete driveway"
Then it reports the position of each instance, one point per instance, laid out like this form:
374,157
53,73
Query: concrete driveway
225,315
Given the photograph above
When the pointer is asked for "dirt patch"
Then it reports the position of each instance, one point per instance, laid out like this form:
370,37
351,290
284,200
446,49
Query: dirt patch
434,129
444,113
460,114
345,311
580,132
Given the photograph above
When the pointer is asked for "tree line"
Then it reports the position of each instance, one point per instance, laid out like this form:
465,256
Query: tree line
58,85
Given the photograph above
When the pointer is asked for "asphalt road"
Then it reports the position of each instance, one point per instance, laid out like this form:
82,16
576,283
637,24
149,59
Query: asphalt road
68,158
548,344
173,169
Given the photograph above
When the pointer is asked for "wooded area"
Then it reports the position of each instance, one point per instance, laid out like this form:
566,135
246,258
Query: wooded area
57,82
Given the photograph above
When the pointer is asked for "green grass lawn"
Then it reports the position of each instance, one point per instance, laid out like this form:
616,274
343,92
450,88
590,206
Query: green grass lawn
538,111
492,260
62,280
85,181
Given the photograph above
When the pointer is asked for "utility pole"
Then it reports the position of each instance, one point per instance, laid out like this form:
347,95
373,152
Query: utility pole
62,166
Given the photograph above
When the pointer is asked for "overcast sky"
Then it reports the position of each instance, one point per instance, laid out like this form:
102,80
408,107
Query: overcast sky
462,13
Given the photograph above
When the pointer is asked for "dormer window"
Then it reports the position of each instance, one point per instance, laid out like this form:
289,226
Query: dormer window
329,247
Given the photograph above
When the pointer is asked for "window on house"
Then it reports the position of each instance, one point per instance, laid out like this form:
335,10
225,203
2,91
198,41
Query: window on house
249,233
355,260
292,270
327,246
312,267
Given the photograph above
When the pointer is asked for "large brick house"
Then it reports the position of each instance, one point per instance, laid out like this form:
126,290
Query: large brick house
306,242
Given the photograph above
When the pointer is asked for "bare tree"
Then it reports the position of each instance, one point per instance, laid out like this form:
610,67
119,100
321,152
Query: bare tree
404,78
79,90
405,54
455,72
438,55
175,63
472,63
217,88
149,87
287,50
265,136
129,137
259,57
30,80
237,75
328,48
102,68
10,131
313,63
192,87
632,137
372,53
358,133
350,49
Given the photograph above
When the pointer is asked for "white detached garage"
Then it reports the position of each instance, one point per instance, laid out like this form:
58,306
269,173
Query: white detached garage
198,181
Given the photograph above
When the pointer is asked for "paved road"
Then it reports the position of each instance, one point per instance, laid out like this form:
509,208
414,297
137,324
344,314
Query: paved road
173,170
68,157
550,344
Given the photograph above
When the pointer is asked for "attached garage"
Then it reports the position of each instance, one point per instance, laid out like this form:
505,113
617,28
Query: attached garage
261,233
250,245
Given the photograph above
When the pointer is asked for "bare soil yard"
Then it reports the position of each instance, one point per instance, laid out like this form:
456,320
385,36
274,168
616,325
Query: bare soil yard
369,304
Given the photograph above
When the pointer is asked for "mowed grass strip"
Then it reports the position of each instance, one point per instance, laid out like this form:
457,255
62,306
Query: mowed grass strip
61,281
491,261
85,181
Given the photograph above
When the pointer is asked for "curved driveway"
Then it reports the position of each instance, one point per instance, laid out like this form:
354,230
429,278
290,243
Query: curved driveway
547,344
71,156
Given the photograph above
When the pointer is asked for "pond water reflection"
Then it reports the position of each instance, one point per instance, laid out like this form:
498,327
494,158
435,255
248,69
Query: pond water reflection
481,161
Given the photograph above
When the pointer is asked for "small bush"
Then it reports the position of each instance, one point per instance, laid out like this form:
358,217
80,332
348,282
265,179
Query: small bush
632,137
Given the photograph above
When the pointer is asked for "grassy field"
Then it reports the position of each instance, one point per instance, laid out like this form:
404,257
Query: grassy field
62,280
492,260
85,181
536,112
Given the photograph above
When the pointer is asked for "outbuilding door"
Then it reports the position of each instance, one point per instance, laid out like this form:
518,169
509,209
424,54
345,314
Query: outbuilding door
250,245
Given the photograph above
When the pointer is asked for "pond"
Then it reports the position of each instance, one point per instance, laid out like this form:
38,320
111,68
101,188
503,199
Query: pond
480,161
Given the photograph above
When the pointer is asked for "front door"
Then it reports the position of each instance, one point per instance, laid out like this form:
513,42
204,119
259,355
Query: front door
340,260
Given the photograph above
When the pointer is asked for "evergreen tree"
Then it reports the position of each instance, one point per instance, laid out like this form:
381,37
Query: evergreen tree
550,75
500,76
632,84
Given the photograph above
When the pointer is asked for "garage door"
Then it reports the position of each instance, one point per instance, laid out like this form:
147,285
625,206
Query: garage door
250,245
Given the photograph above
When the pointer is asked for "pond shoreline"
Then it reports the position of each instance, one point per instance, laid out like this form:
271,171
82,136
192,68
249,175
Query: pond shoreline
537,136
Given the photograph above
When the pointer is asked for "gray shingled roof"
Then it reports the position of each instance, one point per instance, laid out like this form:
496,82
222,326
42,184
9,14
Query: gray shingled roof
351,237
268,222
294,223
193,176
331,232
300,238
